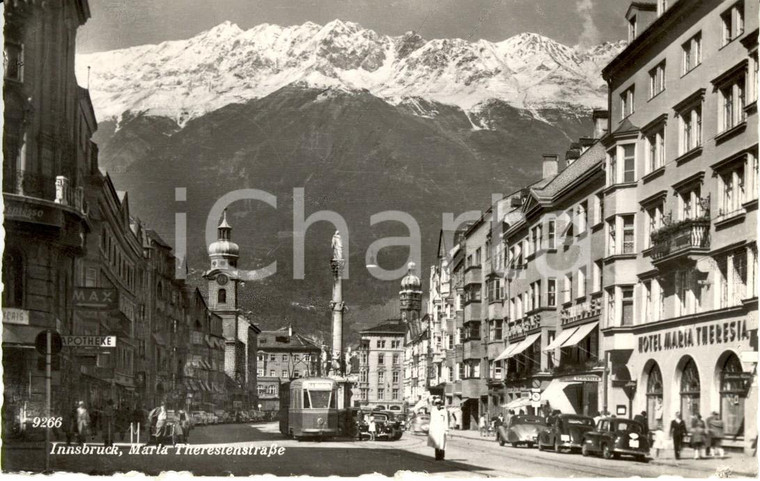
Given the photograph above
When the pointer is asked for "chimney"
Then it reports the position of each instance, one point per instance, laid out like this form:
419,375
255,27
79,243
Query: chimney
572,155
601,122
550,165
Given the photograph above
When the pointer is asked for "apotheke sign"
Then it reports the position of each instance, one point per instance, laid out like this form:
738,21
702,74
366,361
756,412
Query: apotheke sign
695,336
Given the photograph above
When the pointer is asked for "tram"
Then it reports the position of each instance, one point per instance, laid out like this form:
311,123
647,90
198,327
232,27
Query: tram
309,408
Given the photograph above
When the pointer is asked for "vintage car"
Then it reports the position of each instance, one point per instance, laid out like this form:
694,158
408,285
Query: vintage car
199,418
615,436
385,426
520,430
565,431
420,424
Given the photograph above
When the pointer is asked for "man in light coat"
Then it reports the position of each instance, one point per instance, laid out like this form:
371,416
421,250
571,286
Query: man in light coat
83,422
439,428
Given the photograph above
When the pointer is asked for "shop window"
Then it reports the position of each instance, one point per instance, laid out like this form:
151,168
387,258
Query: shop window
690,391
732,396
654,397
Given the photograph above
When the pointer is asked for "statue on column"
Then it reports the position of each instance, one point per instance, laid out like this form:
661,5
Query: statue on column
337,246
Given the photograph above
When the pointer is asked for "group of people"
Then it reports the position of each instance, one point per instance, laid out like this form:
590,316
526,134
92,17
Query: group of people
82,423
706,436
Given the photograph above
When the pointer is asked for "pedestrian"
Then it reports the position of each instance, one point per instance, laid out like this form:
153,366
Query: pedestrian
698,436
83,423
715,432
482,425
660,440
643,418
597,418
108,417
137,418
372,428
121,420
500,420
439,428
677,432
71,425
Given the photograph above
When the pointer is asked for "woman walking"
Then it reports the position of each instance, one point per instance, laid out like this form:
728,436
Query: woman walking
698,436
372,428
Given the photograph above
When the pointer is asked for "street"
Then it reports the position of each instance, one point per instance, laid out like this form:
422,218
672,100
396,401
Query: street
464,458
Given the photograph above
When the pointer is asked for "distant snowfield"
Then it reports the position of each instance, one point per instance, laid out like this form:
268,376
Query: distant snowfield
188,78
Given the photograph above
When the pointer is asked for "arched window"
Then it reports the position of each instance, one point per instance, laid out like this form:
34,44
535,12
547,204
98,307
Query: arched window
690,388
221,296
13,279
732,395
654,397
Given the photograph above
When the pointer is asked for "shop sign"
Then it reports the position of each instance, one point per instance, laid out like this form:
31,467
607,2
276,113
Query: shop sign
737,376
19,210
89,341
96,297
581,378
12,315
687,337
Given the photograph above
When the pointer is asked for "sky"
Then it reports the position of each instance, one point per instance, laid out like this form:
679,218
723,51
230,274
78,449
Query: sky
125,23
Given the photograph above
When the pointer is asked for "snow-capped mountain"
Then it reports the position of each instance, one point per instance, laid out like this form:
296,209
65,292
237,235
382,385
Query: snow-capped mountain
185,79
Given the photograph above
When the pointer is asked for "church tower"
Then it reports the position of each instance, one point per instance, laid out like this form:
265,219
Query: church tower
410,296
223,253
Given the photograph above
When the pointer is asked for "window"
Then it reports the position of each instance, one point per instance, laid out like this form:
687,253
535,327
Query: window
690,203
626,102
732,101
381,393
690,121
285,357
752,78
611,307
597,276
653,222
13,279
284,373
381,376
657,79
654,398
551,293
629,163
581,283
690,390
733,396
628,234
732,191
381,358
363,375
632,28
655,143
611,237
14,61
568,291
381,344
692,53
627,306
662,5
272,357
221,296
395,359
395,394
272,373
551,233
582,217
395,376
733,22
497,330
599,208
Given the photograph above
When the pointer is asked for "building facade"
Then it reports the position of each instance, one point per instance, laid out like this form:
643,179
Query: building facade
680,210
381,366
283,355
47,153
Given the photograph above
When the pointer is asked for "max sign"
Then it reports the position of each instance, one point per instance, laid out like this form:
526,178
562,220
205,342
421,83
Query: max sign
96,297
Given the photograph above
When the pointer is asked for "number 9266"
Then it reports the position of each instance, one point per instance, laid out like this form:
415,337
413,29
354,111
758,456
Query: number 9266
45,422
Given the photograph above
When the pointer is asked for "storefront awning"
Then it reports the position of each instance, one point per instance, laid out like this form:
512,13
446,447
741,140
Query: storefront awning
525,344
560,339
19,336
555,395
506,352
580,334
518,403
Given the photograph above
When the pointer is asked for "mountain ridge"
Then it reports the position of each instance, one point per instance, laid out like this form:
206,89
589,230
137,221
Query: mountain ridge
184,79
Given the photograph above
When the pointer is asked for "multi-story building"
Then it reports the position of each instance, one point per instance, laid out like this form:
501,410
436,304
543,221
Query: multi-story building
47,153
680,215
240,333
283,355
417,340
381,366
204,375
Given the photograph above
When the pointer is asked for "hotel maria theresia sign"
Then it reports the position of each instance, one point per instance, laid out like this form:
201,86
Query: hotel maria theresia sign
694,336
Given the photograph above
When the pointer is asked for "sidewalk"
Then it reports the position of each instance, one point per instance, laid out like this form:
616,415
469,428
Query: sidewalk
738,464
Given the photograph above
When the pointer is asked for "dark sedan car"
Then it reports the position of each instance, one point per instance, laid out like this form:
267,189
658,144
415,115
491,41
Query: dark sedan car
385,427
521,430
613,437
565,432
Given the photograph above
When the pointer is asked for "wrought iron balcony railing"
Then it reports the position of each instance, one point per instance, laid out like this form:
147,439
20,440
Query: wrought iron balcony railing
681,237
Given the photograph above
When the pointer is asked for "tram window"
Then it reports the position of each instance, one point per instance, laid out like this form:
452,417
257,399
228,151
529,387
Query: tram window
306,400
332,400
320,399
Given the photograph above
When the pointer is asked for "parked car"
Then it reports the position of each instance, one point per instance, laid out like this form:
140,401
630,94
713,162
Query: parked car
521,430
615,436
199,418
420,424
393,420
385,427
565,432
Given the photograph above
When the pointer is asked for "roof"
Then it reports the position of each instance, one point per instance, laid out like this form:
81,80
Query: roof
391,326
280,339
594,156
157,238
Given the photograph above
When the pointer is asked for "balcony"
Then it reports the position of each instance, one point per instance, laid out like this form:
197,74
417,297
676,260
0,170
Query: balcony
56,189
679,239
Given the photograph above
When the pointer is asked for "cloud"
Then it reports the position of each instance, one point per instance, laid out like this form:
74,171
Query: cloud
590,34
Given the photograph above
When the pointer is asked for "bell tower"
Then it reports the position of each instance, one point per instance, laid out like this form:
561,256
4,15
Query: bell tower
223,254
410,296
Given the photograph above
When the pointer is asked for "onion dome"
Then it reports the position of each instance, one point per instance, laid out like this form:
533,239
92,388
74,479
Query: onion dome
224,246
410,280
